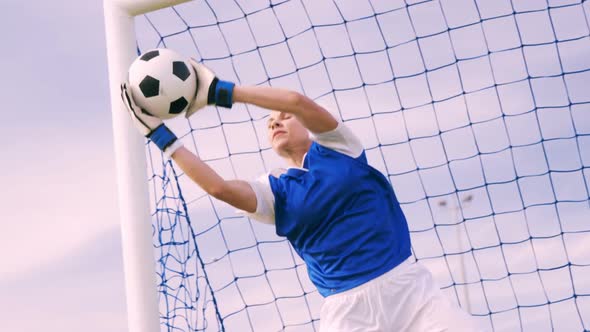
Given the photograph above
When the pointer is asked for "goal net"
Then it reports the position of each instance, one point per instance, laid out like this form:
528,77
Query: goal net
477,111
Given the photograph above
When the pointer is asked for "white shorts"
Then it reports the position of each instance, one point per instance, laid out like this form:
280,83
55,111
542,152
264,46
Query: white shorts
403,299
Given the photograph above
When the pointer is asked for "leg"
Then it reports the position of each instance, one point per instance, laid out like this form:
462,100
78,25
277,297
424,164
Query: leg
440,314
350,313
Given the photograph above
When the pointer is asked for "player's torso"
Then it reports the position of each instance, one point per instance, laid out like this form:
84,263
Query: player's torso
329,186
342,218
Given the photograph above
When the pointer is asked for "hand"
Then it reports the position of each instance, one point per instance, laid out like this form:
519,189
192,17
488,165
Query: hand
143,121
210,90
149,125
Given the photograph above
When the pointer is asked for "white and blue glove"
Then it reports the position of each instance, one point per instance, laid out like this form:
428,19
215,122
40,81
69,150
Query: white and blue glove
150,126
210,90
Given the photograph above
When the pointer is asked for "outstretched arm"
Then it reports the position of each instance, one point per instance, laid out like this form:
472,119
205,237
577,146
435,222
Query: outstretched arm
235,192
313,117
211,90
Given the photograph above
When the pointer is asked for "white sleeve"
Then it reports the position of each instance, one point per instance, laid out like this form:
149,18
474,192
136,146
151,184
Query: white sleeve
265,200
340,139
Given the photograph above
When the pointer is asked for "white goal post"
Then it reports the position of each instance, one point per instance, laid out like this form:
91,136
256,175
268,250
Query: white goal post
136,229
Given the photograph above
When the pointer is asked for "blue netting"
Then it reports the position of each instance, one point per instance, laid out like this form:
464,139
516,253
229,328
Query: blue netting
477,111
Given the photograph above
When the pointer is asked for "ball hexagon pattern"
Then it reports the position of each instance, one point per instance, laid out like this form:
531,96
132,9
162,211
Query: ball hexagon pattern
162,83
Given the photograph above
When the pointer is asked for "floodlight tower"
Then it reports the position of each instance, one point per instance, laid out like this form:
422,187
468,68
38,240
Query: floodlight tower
455,210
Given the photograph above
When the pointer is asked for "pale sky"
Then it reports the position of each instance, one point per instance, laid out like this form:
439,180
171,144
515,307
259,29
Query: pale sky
60,242
60,237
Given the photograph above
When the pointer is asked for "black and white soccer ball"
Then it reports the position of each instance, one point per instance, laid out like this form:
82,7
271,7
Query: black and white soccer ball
162,82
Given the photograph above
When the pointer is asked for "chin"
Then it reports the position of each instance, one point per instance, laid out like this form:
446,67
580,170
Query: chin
279,143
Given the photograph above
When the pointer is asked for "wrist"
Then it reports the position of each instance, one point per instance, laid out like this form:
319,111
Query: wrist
162,137
169,152
221,93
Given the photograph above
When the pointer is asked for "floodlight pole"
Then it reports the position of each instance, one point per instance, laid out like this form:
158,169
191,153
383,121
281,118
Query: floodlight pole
455,214
129,146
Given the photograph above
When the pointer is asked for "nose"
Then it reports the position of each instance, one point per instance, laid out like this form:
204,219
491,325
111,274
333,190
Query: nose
275,124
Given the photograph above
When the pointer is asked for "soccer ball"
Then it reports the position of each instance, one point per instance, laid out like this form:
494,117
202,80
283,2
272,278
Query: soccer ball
162,83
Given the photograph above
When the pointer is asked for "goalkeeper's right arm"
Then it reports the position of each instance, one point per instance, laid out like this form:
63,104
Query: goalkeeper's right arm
235,192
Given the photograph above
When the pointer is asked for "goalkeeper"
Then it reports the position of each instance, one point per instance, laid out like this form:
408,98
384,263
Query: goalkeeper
340,214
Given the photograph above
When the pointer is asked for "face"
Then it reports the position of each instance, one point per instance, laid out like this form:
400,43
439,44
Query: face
286,133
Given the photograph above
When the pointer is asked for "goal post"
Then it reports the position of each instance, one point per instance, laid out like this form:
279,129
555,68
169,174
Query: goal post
129,147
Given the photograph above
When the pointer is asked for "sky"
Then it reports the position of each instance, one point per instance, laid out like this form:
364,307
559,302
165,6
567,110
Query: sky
60,238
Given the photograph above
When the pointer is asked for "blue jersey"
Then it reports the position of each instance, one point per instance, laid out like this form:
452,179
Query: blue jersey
342,217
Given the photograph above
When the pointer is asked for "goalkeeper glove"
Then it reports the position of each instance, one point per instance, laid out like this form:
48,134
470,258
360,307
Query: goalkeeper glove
149,125
210,90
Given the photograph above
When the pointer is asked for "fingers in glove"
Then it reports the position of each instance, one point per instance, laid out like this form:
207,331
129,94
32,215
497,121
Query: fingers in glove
193,62
130,107
126,99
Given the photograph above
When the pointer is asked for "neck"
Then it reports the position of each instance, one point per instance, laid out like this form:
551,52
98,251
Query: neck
294,157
